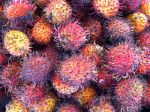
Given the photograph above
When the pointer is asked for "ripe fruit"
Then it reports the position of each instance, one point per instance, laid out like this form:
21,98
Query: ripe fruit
16,106
101,104
130,5
144,65
94,27
36,68
42,32
70,36
58,11
93,51
138,21
63,88
52,55
117,29
16,43
42,2
143,40
145,7
122,59
46,104
67,107
77,70
85,95
18,8
146,96
28,93
108,8
10,75
104,80
2,57
129,93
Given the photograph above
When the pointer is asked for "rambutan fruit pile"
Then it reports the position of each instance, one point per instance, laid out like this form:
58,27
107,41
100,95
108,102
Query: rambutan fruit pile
74,55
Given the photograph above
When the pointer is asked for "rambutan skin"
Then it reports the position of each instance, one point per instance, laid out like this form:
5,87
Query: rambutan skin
67,107
94,27
42,2
16,43
10,75
130,5
138,21
18,8
52,55
94,51
122,59
143,40
118,29
77,70
85,95
144,63
101,104
35,69
28,93
58,11
2,58
104,79
71,36
129,92
61,87
108,8
145,7
146,96
16,106
45,104
42,32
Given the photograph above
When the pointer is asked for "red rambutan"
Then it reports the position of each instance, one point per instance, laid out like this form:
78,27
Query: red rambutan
70,36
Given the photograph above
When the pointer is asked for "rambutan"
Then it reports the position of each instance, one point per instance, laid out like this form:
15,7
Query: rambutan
107,8
16,43
101,104
71,36
67,107
16,106
94,27
143,40
63,88
118,29
129,93
104,79
18,8
77,70
138,21
42,32
52,55
93,51
2,57
144,64
58,11
42,2
145,7
36,68
122,59
130,5
46,104
85,95
28,93
146,96
10,75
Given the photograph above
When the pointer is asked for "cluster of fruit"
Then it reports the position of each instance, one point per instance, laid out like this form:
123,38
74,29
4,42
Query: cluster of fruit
74,55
